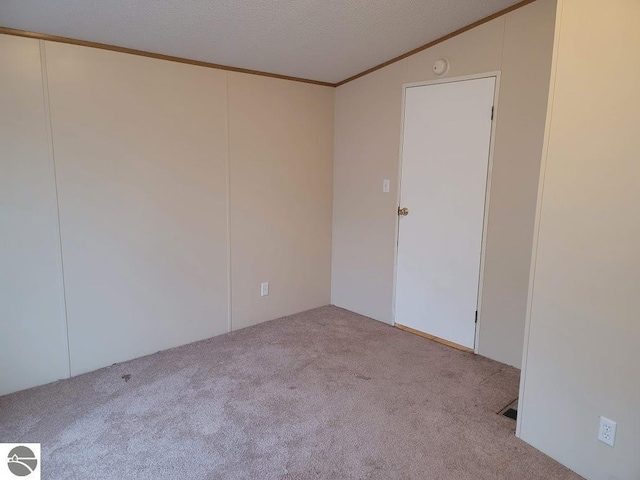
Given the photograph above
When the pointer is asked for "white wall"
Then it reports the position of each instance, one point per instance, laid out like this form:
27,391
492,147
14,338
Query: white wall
33,341
367,144
583,329
172,179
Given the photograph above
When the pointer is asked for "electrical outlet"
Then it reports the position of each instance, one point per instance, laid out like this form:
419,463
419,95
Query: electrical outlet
264,289
607,432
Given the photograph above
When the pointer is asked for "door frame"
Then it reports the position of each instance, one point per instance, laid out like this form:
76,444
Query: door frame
487,196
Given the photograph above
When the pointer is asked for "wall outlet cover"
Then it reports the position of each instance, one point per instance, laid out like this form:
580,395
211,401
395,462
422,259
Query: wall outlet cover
607,431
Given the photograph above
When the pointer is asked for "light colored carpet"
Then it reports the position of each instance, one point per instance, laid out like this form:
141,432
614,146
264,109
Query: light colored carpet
322,394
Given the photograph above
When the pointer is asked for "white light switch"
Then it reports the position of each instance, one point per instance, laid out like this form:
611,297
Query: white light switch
264,289
386,185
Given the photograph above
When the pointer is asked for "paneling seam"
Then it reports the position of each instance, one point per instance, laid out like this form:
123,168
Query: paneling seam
504,34
49,132
229,275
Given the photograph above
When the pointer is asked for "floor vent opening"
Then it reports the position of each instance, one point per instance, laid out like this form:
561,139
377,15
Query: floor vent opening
511,410
511,413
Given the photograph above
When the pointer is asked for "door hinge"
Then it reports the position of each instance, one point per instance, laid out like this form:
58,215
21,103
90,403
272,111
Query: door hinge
492,108
476,316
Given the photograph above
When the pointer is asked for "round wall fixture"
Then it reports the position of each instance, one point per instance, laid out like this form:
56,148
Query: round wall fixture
441,66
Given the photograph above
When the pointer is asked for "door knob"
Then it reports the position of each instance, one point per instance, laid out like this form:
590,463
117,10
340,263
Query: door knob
403,211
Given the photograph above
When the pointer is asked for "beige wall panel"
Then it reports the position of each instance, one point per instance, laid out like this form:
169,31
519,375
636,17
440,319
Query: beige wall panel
281,150
524,87
33,343
367,142
368,127
582,355
141,155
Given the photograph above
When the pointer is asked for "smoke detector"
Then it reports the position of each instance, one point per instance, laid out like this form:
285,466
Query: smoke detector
441,66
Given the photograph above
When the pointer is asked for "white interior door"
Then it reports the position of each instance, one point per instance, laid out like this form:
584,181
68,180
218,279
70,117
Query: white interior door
445,156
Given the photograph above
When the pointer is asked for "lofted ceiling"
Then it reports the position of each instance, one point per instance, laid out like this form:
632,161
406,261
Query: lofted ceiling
324,40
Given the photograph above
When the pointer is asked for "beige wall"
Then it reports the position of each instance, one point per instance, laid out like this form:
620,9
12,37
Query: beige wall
524,85
581,361
141,158
281,144
367,143
158,165
33,341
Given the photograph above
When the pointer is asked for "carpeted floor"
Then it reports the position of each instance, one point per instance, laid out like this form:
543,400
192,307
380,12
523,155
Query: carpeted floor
322,394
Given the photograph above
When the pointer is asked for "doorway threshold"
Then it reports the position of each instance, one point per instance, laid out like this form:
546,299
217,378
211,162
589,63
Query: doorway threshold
434,338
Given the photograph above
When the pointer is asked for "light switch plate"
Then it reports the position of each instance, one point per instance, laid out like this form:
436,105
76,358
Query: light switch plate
386,185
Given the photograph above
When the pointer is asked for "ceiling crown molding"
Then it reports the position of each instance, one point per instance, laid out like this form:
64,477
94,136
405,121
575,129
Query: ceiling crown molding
142,53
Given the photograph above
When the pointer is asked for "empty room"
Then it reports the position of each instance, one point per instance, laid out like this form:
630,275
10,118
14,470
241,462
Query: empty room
320,240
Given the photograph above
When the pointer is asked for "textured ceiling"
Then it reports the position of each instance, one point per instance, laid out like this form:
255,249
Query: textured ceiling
326,40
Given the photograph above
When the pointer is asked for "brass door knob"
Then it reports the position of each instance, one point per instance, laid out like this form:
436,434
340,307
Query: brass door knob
403,211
